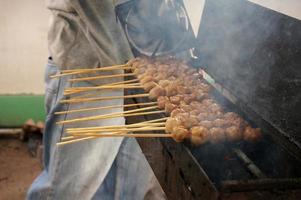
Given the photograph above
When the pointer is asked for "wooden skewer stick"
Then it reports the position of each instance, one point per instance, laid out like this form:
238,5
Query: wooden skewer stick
145,122
121,86
119,128
85,71
92,69
131,135
75,90
70,89
113,114
81,100
113,87
109,87
128,81
73,139
110,116
95,132
100,77
140,135
105,107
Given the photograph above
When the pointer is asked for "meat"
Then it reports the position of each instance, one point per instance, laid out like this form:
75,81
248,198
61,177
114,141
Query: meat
169,107
180,133
233,133
217,135
155,92
251,134
171,123
146,79
220,123
149,85
176,111
161,101
175,99
199,135
185,96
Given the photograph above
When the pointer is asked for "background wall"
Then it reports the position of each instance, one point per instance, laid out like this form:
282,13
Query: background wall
23,46
288,7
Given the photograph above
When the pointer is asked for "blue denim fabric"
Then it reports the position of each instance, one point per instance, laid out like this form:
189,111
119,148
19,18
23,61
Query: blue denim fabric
104,168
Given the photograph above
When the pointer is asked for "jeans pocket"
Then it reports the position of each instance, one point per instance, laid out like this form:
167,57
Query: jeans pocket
51,86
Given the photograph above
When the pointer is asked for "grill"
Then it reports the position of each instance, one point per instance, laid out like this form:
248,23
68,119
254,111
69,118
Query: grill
251,55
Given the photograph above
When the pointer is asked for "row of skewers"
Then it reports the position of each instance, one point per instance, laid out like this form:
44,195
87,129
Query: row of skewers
175,89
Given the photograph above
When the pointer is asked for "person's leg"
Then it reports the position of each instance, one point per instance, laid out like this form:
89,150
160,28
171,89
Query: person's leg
135,179
74,171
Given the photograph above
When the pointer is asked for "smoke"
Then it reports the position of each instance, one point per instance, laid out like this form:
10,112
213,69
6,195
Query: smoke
253,52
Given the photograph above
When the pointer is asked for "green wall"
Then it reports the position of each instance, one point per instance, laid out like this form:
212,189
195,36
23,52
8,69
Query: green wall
17,109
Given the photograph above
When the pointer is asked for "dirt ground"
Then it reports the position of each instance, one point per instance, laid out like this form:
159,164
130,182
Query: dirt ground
17,169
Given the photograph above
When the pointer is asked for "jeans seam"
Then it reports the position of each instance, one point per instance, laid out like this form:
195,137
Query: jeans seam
57,153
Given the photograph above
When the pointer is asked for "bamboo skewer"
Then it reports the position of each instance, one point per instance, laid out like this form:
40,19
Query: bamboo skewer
105,107
149,122
100,77
74,139
111,116
85,71
140,135
131,135
81,100
103,87
132,82
116,127
122,82
110,87
91,69
78,139
95,133
105,116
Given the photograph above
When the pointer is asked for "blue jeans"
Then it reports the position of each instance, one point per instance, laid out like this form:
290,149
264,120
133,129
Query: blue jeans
104,168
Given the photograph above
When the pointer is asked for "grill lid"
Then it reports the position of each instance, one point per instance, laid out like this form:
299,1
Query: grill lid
256,54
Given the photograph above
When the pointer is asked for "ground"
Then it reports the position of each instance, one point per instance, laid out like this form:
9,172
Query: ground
17,169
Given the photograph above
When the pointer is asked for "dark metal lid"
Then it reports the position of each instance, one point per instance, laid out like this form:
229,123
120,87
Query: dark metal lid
256,54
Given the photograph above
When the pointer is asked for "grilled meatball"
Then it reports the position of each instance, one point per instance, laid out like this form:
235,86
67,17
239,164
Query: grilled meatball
169,107
220,123
188,98
180,133
203,116
155,92
190,121
175,99
149,85
207,124
164,83
162,101
146,79
233,133
251,134
195,112
171,90
199,135
171,123
217,135
176,111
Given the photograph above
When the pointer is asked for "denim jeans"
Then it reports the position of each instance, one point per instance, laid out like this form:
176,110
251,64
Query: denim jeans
103,168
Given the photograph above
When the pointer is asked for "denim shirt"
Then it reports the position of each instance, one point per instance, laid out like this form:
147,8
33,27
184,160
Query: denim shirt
86,34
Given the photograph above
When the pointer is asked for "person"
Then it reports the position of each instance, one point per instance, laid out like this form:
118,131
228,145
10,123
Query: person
87,34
